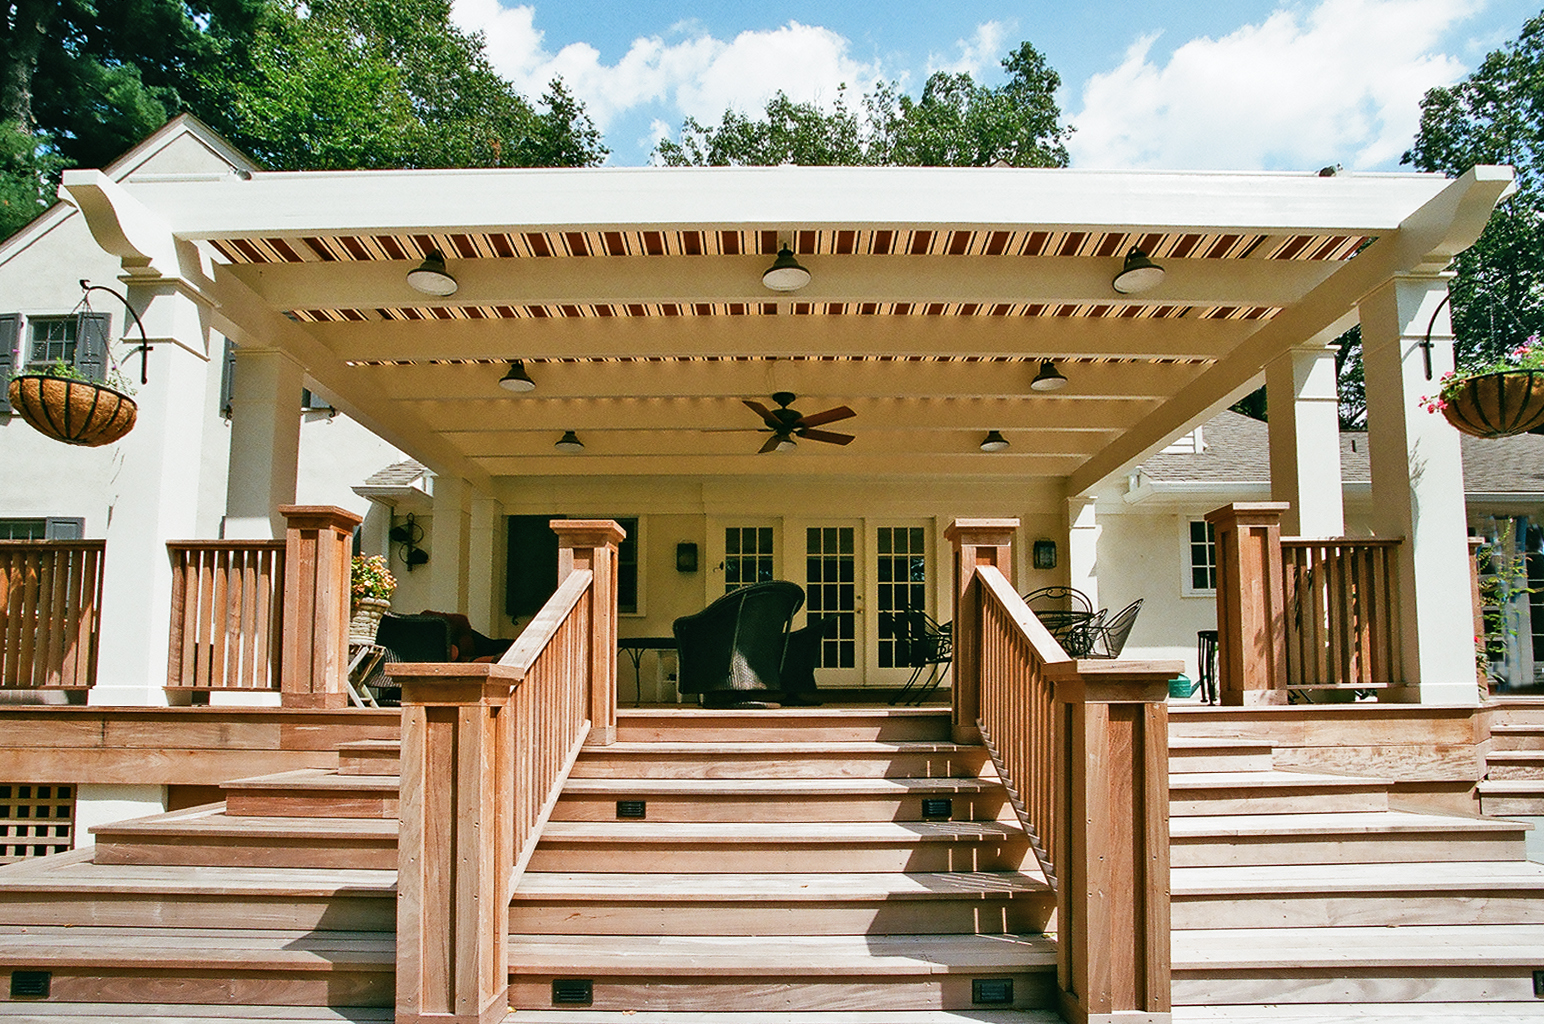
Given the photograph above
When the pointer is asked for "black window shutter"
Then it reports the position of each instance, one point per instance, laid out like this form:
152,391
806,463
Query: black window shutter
64,528
10,334
532,570
91,334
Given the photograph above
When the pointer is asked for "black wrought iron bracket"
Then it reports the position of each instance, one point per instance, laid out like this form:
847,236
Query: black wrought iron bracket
144,346
1425,343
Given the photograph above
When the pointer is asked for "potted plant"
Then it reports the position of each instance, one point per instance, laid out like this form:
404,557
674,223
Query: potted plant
1499,399
66,405
371,585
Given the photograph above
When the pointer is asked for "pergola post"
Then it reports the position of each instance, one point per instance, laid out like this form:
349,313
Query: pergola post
592,544
1305,441
317,541
265,442
976,542
1251,618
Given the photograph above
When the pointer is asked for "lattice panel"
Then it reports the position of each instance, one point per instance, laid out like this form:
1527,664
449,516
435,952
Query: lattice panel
35,820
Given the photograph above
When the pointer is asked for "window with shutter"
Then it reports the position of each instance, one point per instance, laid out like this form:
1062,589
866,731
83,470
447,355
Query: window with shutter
50,339
91,341
10,336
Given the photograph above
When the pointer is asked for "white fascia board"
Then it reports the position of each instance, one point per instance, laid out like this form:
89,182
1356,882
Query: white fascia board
786,198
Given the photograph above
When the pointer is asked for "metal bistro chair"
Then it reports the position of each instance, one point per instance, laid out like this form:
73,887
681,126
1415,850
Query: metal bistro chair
1109,637
1067,614
928,648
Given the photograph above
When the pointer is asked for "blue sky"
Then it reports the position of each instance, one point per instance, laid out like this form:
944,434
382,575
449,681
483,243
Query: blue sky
1244,84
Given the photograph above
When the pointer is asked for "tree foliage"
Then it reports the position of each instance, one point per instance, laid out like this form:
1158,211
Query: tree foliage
955,123
1495,116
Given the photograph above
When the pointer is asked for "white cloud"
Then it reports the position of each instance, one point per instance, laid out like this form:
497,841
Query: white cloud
982,52
698,75
1341,84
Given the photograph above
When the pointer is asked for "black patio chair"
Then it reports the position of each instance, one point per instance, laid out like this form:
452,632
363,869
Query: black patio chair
732,651
928,648
1067,614
1109,638
801,657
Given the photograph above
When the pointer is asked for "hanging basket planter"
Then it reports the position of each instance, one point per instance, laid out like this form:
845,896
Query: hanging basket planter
1496,404
83,412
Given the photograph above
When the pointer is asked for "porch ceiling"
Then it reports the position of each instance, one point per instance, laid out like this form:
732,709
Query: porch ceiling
635,299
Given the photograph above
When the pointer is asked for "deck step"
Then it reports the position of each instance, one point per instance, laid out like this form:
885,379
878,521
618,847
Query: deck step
785,760
771,847
1273,792
370,757
29,1012
974,1016
315,792
205,965
807,725
1418,963
1362,1013
1341,838
1333,895
1523,797
1514,764
782,904
805,972
208,836
1513,736
1189,755
784,800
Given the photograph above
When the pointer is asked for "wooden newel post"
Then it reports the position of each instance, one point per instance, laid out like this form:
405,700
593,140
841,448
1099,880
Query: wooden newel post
317,541
455,847
976,542
1251,617
1112,850
592,544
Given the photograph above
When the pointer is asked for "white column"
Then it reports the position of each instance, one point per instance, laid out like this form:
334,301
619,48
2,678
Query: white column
1305,441
265,443
1083,531
158,497
483,560
449,542
1418,485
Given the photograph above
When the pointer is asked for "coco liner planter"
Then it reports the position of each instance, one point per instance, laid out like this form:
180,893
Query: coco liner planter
82,412
1497,404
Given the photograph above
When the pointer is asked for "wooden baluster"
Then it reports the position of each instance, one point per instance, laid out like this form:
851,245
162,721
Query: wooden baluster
1251,621
317,539
976,542
1112,846
592,544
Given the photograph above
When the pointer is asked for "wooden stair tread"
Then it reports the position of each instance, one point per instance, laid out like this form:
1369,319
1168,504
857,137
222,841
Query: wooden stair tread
200,948
1516,756
785,787
714,746
1362,1013
30,1012
317,778
1511,786
1219,743
81,874
975,1016
1274,879
780,832
211,820
1489,945
840,714
369,746
1524,728
1273,779
784,887
778,955
1332,822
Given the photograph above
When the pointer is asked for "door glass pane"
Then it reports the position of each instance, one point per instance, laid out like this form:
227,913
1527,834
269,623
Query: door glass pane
747,556
902,586
829,591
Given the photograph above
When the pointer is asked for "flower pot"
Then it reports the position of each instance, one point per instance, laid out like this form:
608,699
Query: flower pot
1496,404
366,618
82,412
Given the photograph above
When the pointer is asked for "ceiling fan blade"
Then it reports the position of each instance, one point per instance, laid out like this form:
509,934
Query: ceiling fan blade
762,411
841,412
771,445
829,437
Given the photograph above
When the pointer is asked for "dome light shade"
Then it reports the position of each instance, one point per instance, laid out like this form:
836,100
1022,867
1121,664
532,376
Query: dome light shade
431,277
517,380
785,274
569,442
785,444
1048,379
1140,274
994,442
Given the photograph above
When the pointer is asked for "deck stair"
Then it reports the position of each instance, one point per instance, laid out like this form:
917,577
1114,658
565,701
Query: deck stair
1514,765
1312,895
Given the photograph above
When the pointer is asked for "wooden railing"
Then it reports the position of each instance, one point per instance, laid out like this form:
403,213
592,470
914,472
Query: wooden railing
485,752
1342,611
50,600
1083,747
227,615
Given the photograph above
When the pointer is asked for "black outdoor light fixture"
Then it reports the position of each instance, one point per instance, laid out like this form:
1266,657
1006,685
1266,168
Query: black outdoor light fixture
686,557
1048,379
517,380
994,441
1044,553
431,277
1139,274
569,442
785,274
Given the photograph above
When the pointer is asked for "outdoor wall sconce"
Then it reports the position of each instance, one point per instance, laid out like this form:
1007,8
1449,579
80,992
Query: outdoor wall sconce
994,442
686,557
1138,275
1048,379
569,442
517,380
1044,554
785,274
408,533
431,277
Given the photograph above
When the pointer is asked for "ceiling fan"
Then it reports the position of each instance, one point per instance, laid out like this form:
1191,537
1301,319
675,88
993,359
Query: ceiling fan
787,424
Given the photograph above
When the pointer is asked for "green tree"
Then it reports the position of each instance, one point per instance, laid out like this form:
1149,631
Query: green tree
955,123
1495,116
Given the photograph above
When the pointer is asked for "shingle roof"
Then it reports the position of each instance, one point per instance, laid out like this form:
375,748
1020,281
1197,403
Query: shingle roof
398,474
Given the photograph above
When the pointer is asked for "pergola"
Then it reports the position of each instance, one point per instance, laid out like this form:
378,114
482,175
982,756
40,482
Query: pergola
634,298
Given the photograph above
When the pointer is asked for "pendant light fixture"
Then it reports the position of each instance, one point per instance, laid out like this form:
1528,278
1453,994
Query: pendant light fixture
569,442
994,441
1139,274
1048,379
785,274
517,380
431,277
